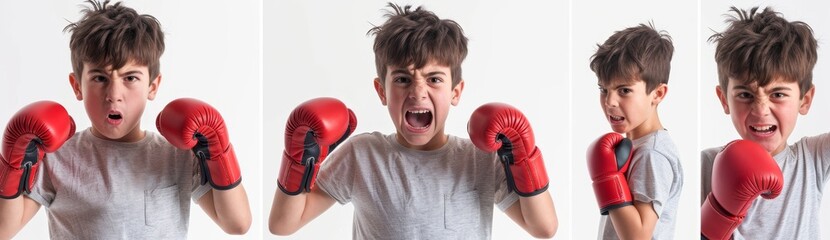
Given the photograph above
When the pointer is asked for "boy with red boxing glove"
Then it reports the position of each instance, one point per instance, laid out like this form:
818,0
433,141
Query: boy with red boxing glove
417,183
765,71
116,180
638,179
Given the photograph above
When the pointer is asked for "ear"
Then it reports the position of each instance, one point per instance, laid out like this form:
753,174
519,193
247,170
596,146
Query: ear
806,101
76,86
659,93
380,91
154,87
722,98
456,92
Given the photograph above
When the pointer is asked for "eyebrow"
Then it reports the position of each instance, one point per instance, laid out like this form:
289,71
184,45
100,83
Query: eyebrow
400,71
775,89
433,73
98,70
618,86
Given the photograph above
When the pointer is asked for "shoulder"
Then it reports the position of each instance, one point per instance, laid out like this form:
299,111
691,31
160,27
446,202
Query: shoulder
157,145
820,141
368,139
464,147
656,146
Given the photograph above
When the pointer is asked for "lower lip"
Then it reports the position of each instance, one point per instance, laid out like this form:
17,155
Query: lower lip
762,134
417,130
114,121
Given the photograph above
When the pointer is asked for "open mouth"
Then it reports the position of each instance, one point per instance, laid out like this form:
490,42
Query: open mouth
418,119
763,129
616,119
114,117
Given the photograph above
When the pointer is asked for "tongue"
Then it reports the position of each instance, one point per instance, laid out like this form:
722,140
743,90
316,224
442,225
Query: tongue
418,119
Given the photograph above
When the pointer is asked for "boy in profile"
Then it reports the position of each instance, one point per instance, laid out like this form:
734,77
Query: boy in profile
637,190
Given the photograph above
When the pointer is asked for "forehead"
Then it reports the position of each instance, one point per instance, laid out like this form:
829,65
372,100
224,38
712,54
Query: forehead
755,84
129,66
429,67
619,81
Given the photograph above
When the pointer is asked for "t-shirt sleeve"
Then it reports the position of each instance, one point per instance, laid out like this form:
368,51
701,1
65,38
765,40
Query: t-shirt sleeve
819,147
650,178
43,192
707,161
336,175
504,198
197,189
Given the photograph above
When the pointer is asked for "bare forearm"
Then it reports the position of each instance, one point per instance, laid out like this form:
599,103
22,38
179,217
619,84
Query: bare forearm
634,222
231,210
14,214
286,213
290,213
11,214
536,215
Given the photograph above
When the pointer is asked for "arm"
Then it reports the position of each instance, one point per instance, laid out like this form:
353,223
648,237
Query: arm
14,214
228,208
290,213
535,214
195,125
634,222
36,129
505,130
314,129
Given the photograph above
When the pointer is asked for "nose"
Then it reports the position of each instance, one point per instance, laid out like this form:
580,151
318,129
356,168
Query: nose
114,92
760,107
610,100
418,90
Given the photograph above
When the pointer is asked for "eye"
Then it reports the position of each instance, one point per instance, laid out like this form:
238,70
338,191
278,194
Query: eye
401,80
744,95
625,91
436,80
778,95
99,78
132,79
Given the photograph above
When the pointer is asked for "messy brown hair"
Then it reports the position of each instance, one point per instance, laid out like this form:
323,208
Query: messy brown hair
416,37
759,47
115,35
639,52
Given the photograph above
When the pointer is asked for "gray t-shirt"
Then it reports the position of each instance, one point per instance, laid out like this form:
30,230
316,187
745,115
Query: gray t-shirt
795,213
654,176
98,189
401,193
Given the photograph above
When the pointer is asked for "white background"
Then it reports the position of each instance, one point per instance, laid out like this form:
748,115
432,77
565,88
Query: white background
517,54
594,23
717,128
211,54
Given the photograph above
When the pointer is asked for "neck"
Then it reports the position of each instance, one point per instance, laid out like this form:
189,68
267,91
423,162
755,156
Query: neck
649,126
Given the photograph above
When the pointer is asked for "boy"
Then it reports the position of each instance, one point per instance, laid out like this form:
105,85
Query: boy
115,180
418,183
765,66
638,194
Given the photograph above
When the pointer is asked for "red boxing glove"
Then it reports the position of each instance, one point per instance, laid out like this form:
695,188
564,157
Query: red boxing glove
742,171
503,128
192,124
313,130
38,128
608,160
